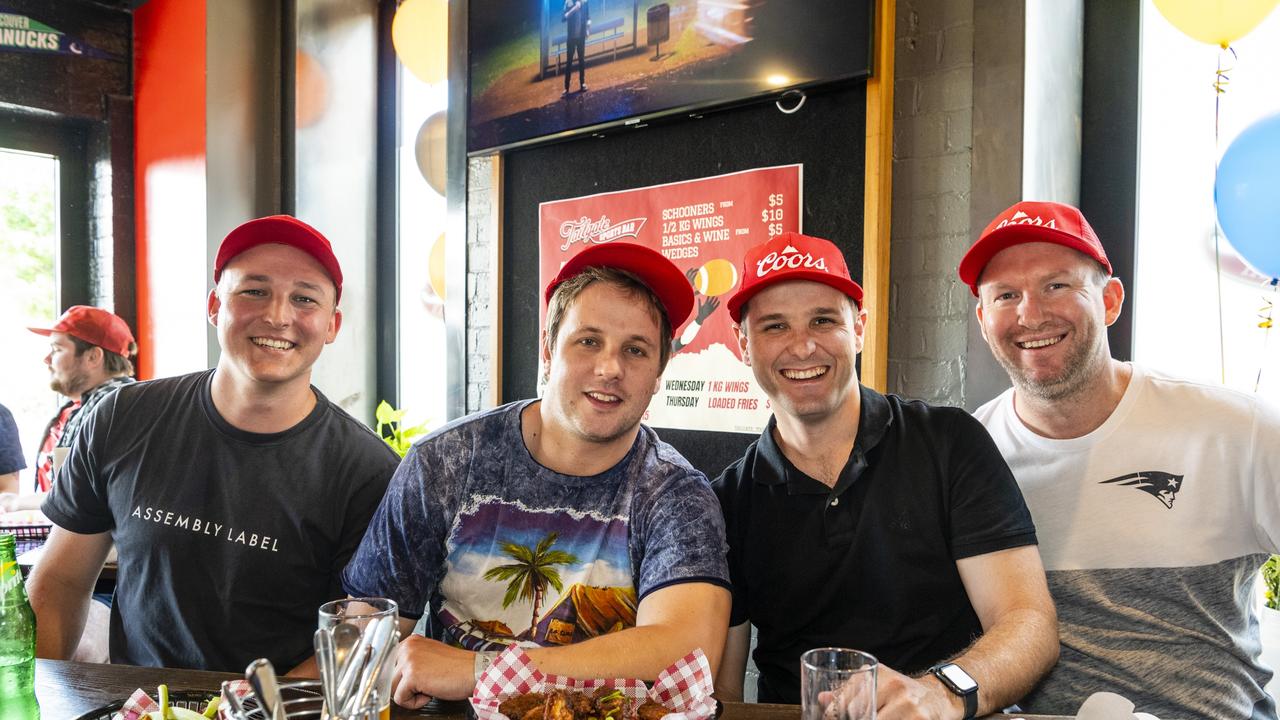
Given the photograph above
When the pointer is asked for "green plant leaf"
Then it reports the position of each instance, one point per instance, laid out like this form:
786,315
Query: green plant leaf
384,413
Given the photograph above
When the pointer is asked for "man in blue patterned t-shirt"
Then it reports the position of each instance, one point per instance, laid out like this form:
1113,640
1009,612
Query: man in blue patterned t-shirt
561,524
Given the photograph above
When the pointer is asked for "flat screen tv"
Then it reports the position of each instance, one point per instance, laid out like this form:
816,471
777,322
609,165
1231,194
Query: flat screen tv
645,58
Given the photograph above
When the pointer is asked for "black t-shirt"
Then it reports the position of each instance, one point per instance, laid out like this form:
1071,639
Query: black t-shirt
228,541
871,563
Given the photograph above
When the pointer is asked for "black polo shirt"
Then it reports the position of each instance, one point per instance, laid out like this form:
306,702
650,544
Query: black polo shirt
871,563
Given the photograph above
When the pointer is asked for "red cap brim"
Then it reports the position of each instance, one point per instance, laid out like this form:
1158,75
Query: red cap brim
666,281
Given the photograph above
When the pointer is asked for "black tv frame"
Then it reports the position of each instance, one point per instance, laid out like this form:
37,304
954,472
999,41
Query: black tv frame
693,110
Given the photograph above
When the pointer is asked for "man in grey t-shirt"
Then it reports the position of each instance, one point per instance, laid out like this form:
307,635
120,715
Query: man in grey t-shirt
561,524
1155,498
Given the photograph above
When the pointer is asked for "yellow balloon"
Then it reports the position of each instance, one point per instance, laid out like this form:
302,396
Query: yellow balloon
429,150
717,277
1217,22
435,267
420,35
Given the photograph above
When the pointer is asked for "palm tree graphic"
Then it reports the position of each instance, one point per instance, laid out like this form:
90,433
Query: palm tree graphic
531,573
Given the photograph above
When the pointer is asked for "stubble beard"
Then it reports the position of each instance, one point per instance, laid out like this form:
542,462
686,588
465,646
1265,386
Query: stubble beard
72,388
615,434
1080,368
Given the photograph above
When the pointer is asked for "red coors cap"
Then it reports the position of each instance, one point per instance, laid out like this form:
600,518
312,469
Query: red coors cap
1026,222
792,256
94,326
673,289
285,230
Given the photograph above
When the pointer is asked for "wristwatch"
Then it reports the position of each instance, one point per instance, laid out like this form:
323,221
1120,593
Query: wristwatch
955,679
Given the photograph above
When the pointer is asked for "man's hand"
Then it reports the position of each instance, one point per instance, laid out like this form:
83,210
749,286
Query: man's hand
429,668
899,697
13,502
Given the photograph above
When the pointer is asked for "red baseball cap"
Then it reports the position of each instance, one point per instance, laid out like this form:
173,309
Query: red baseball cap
285,230
1026,222
673,289
94,326
792,256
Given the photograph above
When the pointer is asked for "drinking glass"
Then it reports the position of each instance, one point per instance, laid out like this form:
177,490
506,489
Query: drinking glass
837,684
363,614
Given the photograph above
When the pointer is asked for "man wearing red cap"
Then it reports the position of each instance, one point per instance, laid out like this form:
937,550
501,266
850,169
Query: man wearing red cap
1155,498
867,521
89,351
234,496
561,524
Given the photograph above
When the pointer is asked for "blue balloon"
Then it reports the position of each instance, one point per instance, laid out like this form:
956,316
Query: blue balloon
1247,194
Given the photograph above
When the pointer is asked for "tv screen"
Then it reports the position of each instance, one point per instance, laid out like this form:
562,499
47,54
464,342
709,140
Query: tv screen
542,68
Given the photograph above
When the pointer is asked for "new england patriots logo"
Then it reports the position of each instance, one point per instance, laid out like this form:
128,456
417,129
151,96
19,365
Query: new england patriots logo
1160,485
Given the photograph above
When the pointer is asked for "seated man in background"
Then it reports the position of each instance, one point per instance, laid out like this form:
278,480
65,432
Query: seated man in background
561,523
89,351
867,521
1156,499
235,496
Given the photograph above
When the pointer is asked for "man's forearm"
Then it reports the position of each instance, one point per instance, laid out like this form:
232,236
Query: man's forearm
1011,657
638,652
60,616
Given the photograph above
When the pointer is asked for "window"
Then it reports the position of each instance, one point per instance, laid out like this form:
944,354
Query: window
1176,325
29,235
423,283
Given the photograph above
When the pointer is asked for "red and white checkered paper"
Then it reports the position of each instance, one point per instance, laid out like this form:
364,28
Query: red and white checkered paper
684,688
140,703
238,688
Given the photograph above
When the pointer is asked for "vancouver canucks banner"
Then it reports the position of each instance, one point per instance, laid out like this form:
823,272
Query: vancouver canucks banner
19,33
705,227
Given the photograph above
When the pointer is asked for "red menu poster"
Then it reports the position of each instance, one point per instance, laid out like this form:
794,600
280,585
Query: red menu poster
704,226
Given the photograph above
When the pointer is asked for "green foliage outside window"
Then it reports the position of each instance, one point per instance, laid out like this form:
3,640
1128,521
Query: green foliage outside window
391,428
1271,581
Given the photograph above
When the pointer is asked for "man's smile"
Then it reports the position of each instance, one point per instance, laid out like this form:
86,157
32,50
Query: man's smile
807,374
272,343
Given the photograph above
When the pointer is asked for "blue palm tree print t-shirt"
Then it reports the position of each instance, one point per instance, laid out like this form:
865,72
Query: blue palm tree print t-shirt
499,549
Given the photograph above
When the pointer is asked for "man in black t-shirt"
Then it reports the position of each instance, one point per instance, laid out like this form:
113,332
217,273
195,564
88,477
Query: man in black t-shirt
235,496
866,521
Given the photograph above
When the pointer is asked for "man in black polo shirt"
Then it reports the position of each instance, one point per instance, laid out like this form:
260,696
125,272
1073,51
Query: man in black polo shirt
866,521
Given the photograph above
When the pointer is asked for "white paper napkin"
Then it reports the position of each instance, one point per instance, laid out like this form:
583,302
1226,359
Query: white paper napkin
1110,706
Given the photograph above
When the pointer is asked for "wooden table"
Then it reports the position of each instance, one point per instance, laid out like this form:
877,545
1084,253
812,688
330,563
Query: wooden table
68,689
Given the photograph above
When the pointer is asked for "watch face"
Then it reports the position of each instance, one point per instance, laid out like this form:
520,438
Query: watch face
957,677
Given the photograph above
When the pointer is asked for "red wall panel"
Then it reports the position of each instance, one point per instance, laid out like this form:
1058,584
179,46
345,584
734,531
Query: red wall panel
169,106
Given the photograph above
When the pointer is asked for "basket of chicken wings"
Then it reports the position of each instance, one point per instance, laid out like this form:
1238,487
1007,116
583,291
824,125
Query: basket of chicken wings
513,689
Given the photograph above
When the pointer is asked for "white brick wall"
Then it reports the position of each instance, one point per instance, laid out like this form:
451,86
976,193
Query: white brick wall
933,152
481,309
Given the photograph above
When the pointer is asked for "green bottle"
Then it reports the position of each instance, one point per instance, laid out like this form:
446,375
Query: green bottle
17,640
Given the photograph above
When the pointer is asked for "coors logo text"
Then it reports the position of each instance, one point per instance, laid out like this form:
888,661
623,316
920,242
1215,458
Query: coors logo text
1021,218
793,260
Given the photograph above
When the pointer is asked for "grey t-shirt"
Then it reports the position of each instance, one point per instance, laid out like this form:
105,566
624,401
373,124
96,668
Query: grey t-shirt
504,549
228,541
1152,527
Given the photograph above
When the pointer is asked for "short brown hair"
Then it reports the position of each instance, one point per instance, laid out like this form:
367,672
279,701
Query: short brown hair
568,291
113,364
